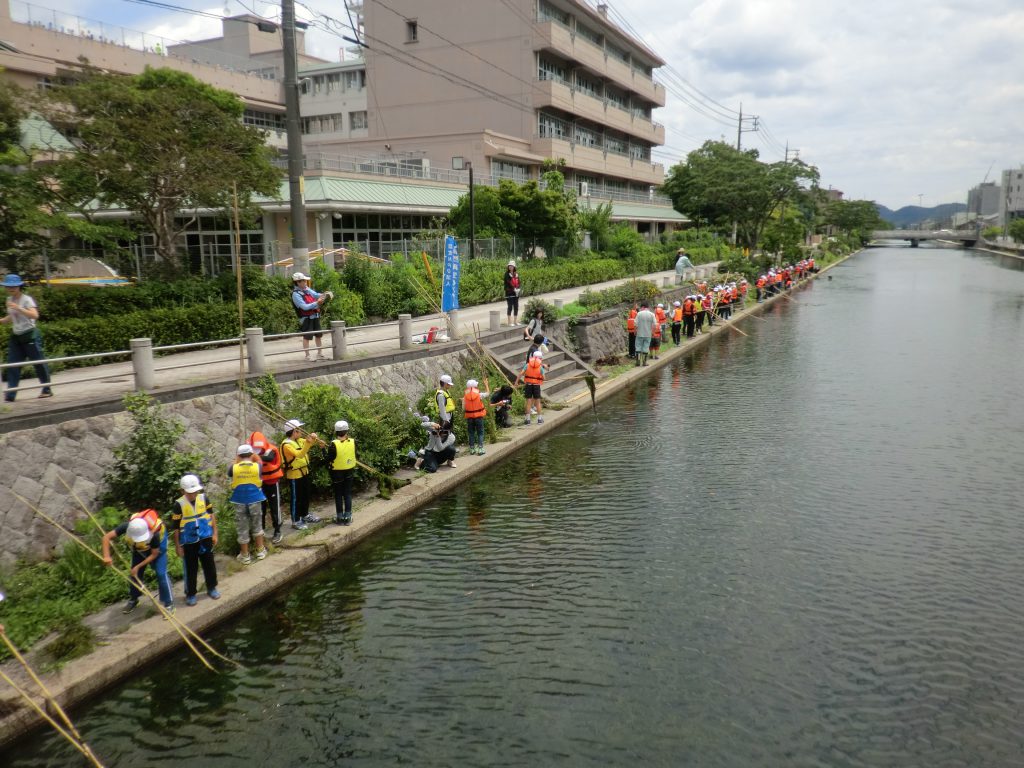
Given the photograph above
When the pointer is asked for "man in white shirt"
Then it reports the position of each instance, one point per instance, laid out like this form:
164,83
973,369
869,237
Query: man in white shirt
645,321
25,342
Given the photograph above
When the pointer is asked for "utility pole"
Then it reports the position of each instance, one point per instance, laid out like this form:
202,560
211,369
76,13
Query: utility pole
740,129
296,182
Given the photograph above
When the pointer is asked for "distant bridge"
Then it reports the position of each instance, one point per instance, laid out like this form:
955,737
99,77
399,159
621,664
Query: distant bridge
915,236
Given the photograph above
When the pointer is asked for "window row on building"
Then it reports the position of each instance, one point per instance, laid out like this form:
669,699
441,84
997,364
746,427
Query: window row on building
331,83
549,68
334,123
587,135
546,11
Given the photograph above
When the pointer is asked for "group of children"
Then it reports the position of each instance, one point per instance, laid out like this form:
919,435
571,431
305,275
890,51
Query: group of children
776,280
687,316
254,481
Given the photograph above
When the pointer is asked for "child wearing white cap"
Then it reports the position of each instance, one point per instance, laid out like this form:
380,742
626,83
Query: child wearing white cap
341,459
247,497
533,373
194,528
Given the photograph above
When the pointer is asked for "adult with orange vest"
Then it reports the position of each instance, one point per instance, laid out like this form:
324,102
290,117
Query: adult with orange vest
341,459
147,537
677,321
474,411
533,373
631,331
194,527
271,473
689,313
761,281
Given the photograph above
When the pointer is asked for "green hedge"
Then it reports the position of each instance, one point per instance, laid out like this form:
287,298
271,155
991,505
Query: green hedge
67,302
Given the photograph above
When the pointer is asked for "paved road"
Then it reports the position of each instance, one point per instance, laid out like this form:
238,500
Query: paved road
86,385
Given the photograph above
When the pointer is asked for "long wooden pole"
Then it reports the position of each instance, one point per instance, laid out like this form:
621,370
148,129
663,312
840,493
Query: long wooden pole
241,316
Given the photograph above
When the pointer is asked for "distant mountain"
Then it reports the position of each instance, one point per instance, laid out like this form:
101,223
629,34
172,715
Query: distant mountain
911,215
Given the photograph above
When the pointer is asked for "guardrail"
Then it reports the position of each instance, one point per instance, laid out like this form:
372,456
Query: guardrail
252,350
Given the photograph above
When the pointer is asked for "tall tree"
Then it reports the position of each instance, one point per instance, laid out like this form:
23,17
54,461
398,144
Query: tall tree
539,214
159,144
724,186
29,218
858,218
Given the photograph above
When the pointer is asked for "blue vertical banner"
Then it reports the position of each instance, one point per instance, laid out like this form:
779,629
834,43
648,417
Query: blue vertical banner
450,289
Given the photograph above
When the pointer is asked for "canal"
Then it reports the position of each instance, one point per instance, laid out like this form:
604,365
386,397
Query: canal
798,547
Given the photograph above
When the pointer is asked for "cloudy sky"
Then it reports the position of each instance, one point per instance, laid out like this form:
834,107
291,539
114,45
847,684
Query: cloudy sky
891,99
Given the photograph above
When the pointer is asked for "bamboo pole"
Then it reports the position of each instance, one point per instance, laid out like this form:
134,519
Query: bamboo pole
78,744
178,626
241,317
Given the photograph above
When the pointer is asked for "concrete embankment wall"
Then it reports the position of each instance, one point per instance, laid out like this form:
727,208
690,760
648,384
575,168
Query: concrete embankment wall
81,450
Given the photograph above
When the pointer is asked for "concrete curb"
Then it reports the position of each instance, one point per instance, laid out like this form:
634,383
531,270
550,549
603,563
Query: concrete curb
150,639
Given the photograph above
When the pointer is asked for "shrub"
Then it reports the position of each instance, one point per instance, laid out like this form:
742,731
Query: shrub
627,293
382,426
537,304
147,465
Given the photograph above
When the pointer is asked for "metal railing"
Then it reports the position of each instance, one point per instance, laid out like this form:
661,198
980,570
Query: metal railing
143,354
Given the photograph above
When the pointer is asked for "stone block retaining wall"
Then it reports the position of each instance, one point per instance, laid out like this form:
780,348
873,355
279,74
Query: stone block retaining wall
81,450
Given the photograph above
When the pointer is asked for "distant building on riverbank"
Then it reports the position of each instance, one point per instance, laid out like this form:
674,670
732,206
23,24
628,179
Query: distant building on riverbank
1011,199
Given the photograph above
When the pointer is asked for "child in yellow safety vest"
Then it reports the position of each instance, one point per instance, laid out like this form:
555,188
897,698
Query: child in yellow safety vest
295,452
247,498
194,527
341,458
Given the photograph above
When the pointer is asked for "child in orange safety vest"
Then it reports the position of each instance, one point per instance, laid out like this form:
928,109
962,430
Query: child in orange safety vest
475,412
533,373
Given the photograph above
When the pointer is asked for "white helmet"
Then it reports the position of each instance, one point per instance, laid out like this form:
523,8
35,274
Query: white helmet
446,379
472,383
244,450
191,484
299,276
292,424
341,426
138,531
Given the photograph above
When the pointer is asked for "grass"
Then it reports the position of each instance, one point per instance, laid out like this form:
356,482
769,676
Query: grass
573,309
74,641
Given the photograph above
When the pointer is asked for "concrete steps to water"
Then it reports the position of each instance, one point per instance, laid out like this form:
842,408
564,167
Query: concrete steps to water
509,349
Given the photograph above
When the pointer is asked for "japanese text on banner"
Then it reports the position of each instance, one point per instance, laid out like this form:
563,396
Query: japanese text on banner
450,289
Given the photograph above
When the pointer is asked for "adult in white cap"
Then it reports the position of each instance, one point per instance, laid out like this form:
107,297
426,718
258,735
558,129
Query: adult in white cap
194,528
533,374
309,305
295,450
341,459
444,403
474,411
24,343
512,290
147,537
247,498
